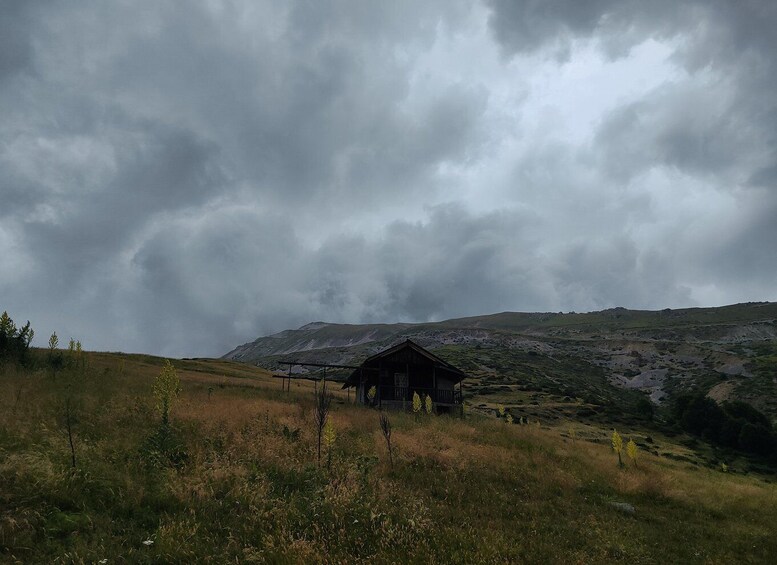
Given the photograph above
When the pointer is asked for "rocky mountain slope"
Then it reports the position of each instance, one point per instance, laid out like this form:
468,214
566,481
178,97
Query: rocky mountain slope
595,359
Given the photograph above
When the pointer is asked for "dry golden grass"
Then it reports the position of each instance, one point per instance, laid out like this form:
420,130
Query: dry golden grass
249,490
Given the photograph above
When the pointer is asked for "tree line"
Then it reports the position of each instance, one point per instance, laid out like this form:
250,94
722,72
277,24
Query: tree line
733,424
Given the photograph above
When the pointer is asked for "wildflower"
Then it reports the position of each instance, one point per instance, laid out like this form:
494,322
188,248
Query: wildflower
148,542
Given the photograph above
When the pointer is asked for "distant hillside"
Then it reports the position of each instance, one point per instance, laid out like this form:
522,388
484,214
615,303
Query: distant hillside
596,359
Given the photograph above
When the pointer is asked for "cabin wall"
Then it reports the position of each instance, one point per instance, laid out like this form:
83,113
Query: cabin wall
444,384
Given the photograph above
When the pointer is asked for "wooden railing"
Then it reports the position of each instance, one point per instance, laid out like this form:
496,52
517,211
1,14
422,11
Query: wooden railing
405,393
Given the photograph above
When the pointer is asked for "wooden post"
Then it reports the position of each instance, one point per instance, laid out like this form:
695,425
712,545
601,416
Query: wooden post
288,384
434,384
461,396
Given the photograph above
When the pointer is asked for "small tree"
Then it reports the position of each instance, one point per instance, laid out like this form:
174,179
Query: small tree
72,383
321,414
53,344
416,404
385,428
428,405
371,394
71,349
631,451
501,411
617,446
509,418
167,386
54,356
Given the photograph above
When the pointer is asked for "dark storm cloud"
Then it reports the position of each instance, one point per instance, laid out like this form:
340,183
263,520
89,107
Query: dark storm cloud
181,180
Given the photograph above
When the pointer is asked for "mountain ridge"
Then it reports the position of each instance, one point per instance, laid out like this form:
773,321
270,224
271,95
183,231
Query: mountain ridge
606,357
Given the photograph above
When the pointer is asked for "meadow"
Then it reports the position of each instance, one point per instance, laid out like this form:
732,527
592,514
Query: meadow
236,479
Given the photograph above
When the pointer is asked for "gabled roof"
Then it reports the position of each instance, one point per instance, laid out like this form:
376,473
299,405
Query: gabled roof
407,344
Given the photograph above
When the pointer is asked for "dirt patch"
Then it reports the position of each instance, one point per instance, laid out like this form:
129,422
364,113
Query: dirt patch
722,391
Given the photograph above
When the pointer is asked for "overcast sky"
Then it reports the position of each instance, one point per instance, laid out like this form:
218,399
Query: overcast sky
181,177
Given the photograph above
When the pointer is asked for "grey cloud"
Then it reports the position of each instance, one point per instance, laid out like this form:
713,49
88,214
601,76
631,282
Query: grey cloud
15,45
179,181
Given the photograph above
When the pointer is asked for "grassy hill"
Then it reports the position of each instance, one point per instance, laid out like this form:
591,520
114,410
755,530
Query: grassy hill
238,480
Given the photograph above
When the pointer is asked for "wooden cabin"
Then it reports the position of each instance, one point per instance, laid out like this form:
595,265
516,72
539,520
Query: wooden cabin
402,370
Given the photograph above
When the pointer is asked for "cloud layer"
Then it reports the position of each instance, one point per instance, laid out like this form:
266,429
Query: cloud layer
181,181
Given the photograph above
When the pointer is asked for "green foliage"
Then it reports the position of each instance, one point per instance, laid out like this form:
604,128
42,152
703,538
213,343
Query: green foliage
428,405
14,342
371,393
644,409
735,424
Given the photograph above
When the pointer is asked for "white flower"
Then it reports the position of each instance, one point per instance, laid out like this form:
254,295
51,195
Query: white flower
148,542
103,561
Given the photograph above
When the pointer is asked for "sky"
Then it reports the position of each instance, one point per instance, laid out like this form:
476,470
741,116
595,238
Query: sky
178,178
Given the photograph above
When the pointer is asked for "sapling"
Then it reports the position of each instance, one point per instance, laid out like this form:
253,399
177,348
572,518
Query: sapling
501,411
385,428
371,394
428,404
631,451
54,357
71,374
166,388
71,353
416,404
321,414
617,446
509,418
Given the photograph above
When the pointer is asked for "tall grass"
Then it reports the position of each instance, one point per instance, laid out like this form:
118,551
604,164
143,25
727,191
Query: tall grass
459,491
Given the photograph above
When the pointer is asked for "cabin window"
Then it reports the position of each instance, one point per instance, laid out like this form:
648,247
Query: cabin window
400,380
